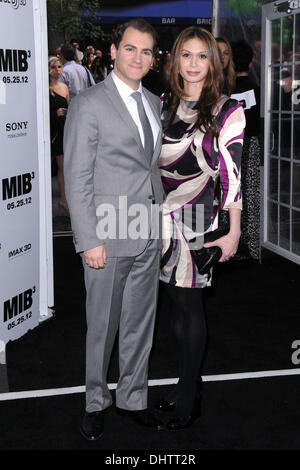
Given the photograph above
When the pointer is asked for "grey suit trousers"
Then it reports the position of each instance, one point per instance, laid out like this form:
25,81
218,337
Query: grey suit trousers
121,295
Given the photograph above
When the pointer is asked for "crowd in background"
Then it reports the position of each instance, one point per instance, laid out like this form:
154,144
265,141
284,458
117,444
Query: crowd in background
100,64
91,58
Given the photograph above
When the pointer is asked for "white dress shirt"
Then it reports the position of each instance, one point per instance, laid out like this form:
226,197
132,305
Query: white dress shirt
125,91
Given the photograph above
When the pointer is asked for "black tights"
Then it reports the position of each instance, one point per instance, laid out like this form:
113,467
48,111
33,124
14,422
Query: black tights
189,327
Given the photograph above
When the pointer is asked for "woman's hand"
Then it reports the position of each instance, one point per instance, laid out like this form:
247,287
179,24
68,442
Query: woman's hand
228,244
61,111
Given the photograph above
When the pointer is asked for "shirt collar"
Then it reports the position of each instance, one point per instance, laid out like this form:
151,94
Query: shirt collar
124,90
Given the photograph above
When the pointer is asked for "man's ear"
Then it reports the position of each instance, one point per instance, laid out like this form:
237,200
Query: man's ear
113,51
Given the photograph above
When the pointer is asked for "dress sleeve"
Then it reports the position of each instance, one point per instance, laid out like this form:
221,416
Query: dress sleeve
230,143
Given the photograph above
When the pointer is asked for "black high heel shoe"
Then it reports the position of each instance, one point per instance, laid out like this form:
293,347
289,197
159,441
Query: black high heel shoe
182,422
166,405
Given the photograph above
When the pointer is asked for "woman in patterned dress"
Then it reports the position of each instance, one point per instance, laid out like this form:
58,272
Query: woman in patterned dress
202,146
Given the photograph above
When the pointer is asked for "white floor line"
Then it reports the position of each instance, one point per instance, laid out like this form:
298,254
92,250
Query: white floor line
152,383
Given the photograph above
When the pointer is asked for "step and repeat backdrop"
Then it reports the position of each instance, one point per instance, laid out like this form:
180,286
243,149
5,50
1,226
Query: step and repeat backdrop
22,171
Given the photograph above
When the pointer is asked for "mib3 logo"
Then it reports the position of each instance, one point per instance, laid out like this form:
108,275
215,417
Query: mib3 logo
15,3
14,60
17,185
18,304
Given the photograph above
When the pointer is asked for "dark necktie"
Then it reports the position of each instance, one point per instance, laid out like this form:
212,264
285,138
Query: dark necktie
148,136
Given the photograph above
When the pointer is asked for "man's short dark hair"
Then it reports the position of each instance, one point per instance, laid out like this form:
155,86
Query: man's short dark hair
68,52
242,55
138,23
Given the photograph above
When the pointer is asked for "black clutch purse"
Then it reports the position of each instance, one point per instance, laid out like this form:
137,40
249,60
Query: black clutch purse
205,258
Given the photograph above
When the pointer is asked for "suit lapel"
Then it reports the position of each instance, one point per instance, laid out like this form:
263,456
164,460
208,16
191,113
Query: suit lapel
158,119
119,105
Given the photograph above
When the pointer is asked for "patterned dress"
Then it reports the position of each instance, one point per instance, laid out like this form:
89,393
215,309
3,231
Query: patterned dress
200,173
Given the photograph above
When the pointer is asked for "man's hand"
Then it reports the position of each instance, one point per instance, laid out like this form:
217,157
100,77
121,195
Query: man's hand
95,257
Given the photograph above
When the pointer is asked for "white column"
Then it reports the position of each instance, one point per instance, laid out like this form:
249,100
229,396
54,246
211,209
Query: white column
215,13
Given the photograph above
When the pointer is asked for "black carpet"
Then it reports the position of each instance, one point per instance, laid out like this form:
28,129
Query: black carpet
253,317
246,414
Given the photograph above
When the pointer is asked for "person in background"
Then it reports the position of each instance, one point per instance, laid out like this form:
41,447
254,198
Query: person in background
165,67
78,53
248,94
58,51
201,151
256,62
88,60
227,64
153,80
105,62
59,102
89,49
52,53
97,70
75,76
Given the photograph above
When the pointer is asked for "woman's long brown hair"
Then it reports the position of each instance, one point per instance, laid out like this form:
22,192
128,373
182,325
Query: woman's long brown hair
212,88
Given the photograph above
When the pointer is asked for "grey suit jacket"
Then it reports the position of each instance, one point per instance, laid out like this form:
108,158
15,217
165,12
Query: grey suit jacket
104,159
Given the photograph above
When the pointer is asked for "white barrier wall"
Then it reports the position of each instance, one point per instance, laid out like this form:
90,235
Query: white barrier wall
26,284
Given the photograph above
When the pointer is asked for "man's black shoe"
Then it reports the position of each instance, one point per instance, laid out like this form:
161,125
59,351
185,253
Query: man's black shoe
92,425
143,417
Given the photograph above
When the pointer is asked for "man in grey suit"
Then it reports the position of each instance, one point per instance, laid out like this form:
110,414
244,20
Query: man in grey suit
112,142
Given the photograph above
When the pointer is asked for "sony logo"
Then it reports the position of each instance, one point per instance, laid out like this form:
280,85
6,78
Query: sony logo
16,126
